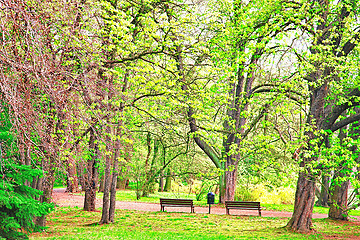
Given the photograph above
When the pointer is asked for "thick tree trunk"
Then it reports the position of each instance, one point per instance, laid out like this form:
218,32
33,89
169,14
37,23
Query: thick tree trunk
72,184
230,178
339,189
339,202
301,219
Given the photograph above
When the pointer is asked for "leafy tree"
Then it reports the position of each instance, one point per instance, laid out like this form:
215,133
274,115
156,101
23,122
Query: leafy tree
327,68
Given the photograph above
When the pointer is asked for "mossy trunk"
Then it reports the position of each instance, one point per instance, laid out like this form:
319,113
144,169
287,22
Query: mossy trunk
167,187
339,202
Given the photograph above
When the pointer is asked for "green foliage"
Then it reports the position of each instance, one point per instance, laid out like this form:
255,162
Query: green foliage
204,187
263,194
17,204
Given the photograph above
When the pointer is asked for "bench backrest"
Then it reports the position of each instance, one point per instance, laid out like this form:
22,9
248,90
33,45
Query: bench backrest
255,205
170,201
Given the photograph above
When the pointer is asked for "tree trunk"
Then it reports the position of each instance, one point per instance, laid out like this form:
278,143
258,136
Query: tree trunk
301,219
222,188
106,200
167,187
121,182
47,187
113,184
161,182
324,193
102,183
339,202
115,173
230,179
91,175
72,184
149,182
80,171
339,189
304,204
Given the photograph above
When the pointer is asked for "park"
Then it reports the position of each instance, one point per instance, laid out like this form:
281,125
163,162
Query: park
163,119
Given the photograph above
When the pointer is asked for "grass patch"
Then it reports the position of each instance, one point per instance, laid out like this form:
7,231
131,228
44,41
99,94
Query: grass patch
72,223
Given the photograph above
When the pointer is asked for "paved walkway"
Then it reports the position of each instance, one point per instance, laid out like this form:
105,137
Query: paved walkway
64,199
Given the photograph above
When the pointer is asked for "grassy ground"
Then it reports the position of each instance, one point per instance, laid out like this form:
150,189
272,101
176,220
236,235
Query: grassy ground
73,223
129,195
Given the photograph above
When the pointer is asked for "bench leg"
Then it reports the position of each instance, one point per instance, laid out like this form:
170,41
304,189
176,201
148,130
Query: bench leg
227,211
192,210
260,212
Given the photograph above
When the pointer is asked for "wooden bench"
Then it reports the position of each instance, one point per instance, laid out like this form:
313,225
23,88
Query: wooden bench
242,205
167,202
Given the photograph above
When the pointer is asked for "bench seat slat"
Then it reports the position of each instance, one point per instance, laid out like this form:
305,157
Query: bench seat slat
242,205
168,202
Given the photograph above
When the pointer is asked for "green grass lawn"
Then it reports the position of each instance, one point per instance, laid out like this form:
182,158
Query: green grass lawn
129,195
73,223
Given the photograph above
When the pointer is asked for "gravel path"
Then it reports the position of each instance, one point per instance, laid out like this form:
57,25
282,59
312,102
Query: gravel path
63,199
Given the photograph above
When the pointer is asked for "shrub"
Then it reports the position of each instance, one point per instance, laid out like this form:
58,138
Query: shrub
244,194
262,194
287,195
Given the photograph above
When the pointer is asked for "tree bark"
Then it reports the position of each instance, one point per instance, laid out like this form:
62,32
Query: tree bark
230,179
301,219
324,193
161,182
167,187
339,189
148,186
46,186
113,185
102,183
91,175
105,217
339,202
72,183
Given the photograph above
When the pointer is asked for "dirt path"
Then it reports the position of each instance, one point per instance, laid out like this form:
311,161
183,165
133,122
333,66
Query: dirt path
63,199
